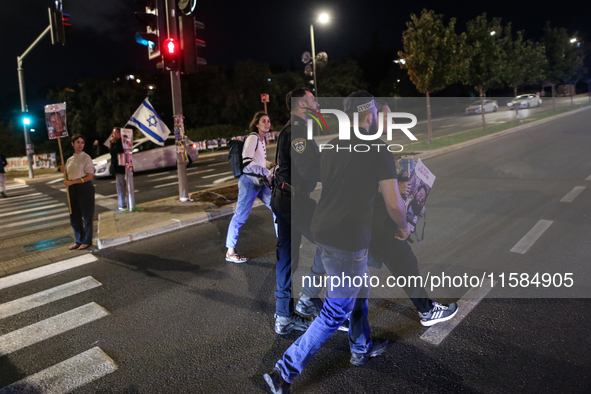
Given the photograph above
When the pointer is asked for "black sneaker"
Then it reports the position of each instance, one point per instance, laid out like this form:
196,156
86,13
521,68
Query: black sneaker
276,382
361,358
308,306
344,326
438,313
3,195
285,325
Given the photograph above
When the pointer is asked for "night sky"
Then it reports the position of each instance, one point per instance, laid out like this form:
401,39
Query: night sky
102,39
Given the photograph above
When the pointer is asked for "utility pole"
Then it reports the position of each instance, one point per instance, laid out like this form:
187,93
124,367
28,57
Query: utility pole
21,86
177,108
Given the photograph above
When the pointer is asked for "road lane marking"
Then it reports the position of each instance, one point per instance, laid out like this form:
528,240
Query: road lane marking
21,198
588,178
13,187
161,179
158,174
31,209
48,328
226,179
437,333
166,184
37,227
36,203
531,237
68,375
220,174
47,270
41,219
55,181
47,296
217,164
199,170
570,197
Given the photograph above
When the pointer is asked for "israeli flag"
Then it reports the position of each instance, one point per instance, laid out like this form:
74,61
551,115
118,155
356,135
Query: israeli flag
148,121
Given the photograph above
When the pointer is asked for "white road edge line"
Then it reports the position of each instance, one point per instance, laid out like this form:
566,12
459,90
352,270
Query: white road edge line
588,178
570,197
11,199
55,181
32,209
39,219
68,375
532,236
47,270
158,174
436,334
48,328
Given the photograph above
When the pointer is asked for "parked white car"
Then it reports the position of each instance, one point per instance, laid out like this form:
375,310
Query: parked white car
147,155
525,101
489,106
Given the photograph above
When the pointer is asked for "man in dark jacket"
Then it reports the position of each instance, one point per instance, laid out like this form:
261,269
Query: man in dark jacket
116,149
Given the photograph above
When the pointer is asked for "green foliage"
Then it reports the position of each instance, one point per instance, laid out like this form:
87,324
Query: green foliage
526,61
565,60
433,52
340,78
12,143
487,57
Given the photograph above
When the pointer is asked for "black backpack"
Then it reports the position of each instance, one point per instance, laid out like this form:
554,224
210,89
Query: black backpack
235,148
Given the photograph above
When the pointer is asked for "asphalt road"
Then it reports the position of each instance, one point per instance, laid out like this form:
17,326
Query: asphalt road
181,319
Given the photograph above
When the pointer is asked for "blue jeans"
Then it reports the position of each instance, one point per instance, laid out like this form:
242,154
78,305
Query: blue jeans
247,193
290,229
343,300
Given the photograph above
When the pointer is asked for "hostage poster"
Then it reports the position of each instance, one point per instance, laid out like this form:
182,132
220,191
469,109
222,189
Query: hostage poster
55,119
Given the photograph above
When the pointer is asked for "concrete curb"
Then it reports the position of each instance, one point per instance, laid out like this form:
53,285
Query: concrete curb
112,238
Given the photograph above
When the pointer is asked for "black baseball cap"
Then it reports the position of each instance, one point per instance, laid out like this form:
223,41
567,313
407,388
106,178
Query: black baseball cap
360,101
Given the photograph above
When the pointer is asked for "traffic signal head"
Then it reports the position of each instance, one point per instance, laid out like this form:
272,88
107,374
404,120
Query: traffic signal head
171,54
154,21
26,120
56,22
187,6
190,43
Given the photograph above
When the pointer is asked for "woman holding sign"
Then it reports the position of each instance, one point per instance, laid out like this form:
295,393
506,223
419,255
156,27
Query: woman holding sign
80,171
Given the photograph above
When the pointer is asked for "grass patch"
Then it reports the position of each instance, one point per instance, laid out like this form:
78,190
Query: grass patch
453,139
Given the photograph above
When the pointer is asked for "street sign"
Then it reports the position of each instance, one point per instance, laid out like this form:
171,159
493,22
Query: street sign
308,70
306,57
30,148
321,59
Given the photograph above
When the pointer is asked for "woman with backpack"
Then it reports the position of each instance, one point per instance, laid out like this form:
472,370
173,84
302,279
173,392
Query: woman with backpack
251,184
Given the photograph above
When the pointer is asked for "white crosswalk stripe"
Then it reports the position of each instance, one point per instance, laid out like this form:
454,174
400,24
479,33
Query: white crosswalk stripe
74,372
27,210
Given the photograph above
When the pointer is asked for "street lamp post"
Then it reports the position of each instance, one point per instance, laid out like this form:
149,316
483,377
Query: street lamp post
313,60
323,18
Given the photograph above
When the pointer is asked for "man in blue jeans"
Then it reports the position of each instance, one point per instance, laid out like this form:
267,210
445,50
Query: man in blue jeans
342,229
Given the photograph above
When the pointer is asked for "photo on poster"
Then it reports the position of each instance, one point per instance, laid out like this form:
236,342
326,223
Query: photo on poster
55,120
421,181
127,139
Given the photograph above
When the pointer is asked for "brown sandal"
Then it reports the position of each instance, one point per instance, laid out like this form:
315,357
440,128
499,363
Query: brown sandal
74,247
83,246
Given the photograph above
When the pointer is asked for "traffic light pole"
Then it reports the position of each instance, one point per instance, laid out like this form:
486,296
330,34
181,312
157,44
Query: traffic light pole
21,86
177,108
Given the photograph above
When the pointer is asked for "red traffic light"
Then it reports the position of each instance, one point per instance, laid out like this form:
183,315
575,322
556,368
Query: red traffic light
170,46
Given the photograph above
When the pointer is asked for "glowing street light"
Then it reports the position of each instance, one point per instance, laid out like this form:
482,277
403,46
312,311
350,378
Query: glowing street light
492,33
322,18
573,40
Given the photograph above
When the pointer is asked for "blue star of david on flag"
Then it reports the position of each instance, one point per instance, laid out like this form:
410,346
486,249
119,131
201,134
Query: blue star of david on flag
152,121
153,127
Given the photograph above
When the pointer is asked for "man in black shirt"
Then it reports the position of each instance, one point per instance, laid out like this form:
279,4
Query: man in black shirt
296,175
342,228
